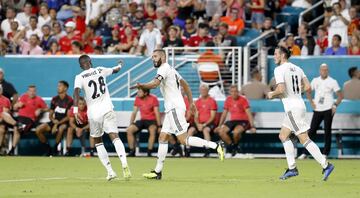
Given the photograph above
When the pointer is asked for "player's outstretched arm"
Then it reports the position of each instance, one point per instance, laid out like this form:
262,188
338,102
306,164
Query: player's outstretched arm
150,85
117,68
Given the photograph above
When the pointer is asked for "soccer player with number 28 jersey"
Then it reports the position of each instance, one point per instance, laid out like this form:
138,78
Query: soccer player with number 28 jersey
100,111
291,82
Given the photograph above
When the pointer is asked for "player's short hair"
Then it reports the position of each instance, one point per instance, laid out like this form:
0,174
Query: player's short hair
66,84
284,50
83,58
254,72
31,86
82,99
146,91
161,51
204,85
234,87
352,71
33,17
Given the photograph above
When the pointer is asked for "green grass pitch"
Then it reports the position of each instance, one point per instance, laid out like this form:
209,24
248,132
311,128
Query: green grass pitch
191,178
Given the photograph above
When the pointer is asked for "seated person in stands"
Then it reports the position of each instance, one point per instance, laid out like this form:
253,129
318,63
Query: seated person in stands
5,117
241,119
352,86
148,105
255,89
59,107
236,24
289,43
79,129
336,49
30,109
205,116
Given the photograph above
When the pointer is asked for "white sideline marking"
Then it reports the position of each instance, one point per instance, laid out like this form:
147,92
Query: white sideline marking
32,179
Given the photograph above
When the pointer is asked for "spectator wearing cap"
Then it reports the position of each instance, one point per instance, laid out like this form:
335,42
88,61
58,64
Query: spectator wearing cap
354,25
23,17
201,38
150,39
30,47
47,38
91,40
255,89
10,16
54,48
173,40
352,86
236,24
57,31
111,44
336,49
257,13
9,90
185,9
188,31
321,40
44,16
128,41
93,9
337,22
354,46
227,39
65,41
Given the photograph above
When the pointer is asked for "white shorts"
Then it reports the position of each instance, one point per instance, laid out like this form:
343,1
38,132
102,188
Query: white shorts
295,121
106,124
175,122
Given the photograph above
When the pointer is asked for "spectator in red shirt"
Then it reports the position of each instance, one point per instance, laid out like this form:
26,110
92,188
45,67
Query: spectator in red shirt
91,40
78,129
354,46
30,108
128,41
59,107
79,20
321,41
205,116
150,11
65,41
354,25
236,25
6,118
201,38
14,26
148,105
241,119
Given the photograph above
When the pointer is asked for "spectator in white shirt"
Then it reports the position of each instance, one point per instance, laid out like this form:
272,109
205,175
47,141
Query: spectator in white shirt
323,105
337,22
93,9
24,16
150,38
10,16
44,16
33,28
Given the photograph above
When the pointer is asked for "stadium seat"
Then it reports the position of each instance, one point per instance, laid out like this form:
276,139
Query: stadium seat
209,73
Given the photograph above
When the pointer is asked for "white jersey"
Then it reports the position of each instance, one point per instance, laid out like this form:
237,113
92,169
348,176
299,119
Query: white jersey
291,75
324,92
93,82
170,87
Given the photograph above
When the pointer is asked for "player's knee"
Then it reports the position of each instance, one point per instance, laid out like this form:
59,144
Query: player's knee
283,137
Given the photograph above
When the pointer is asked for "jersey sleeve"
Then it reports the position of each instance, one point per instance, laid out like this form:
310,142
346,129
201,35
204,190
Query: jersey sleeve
156,102
22,99
70,103
52,104
213,105
162,73
335,86
227,104
245,103
8,104
105,71
78,82
137,102
42,103
279,76
179,77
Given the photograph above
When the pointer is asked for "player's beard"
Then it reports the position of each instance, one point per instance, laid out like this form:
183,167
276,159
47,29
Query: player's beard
157,64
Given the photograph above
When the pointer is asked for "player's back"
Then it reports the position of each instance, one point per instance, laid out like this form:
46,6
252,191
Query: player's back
292,76
93,82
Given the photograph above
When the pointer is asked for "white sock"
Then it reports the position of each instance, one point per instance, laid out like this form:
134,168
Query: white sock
316,153
198,142
103,156
161,155
290,153
120,150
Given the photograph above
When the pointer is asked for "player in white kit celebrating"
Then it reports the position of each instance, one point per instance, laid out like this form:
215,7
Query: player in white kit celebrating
291,82
100,111
170,83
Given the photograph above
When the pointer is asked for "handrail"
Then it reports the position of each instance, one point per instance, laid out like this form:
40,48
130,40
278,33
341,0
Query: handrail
309,9
128,71
316,20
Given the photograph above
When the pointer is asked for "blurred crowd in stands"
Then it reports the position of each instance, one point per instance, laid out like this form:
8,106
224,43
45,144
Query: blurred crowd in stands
61,27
